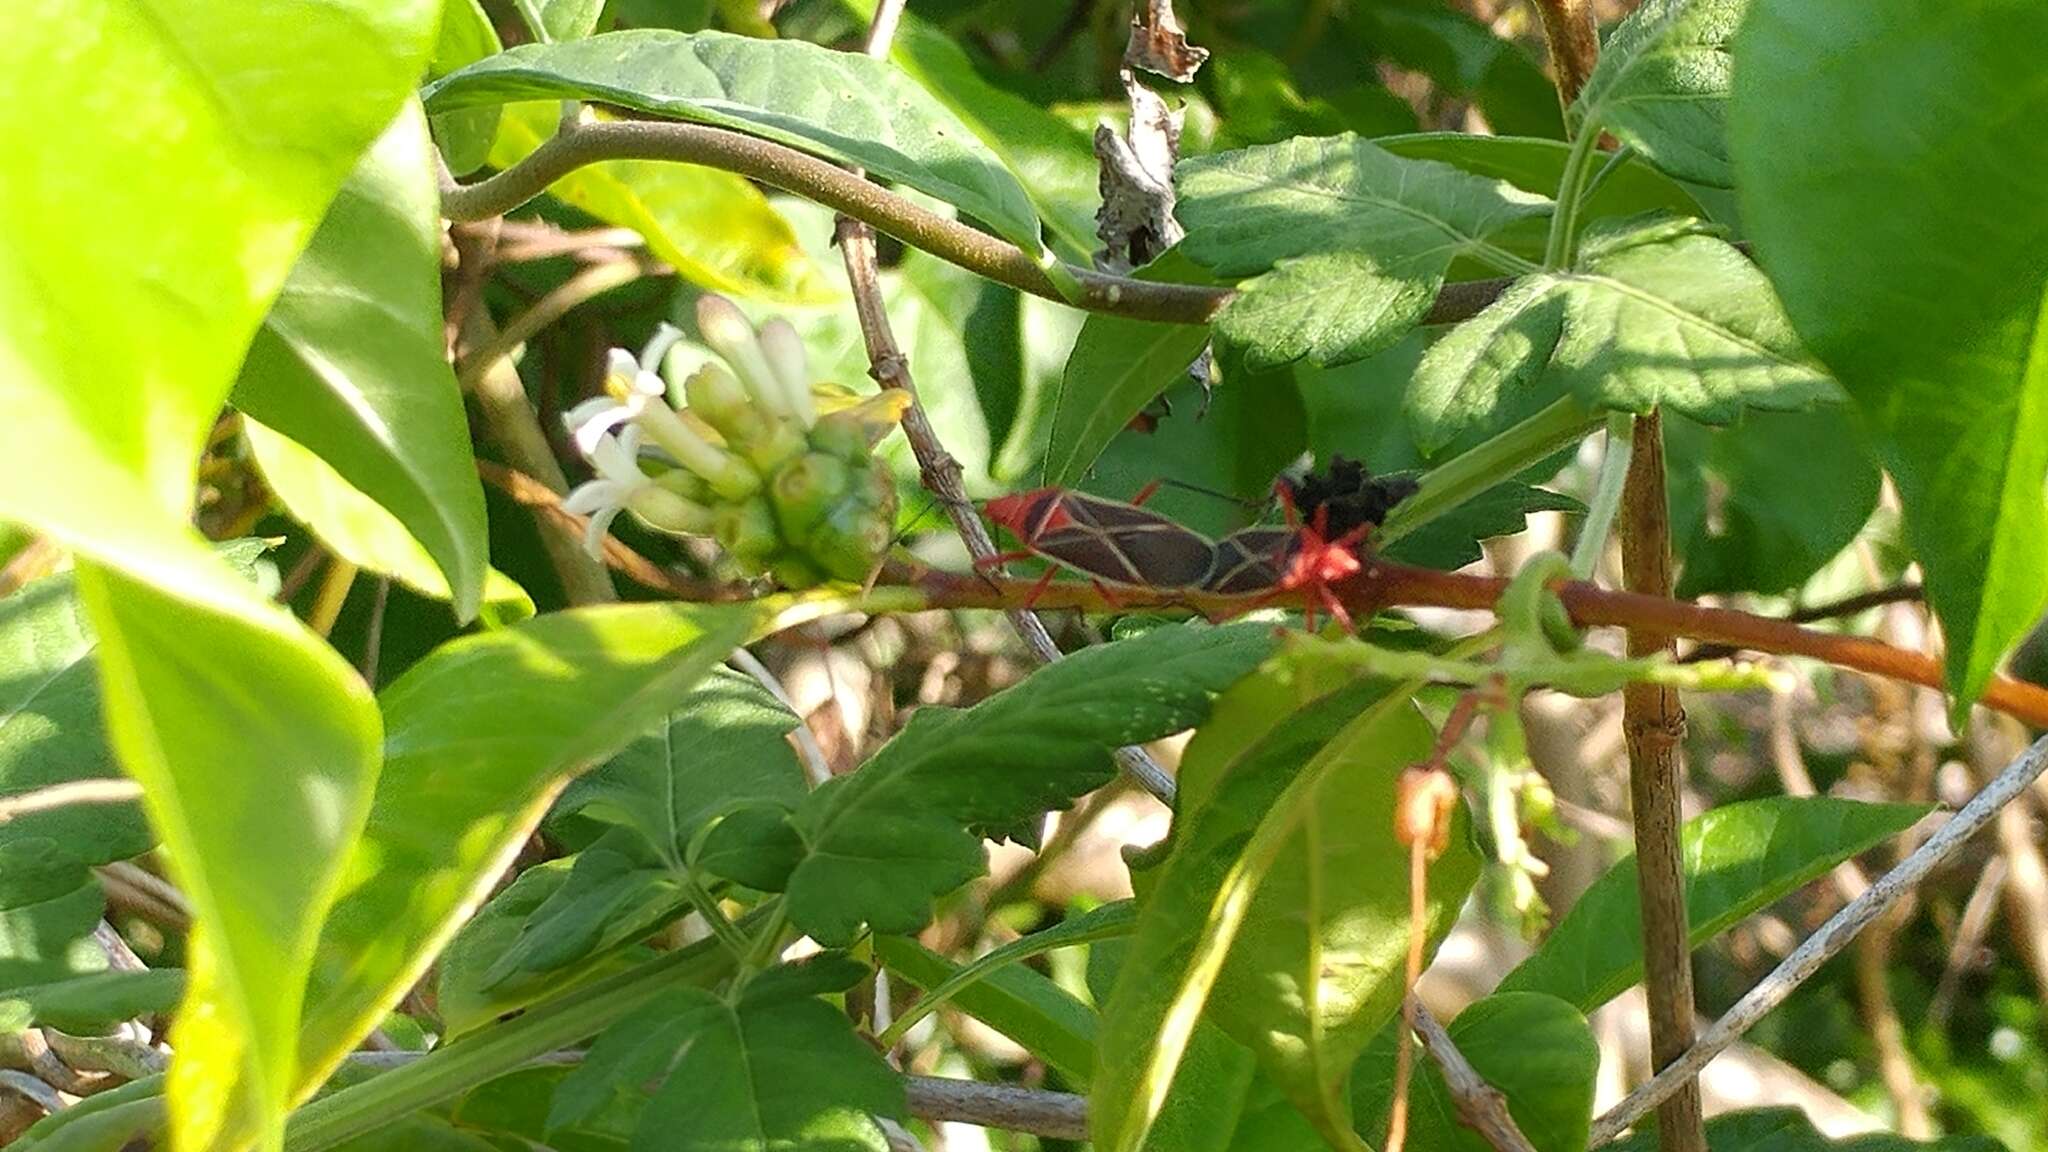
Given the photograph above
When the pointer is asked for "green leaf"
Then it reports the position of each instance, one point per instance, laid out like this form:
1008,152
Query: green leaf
1111,921
555,20
1019,1002
1896,206
1763,505
1453,540
360,530
1053,159
105,1122
1654,314
1738,858
50,726
1661,86
92,1002
616,893
478,738
713,227
1288,787
724,747
464,998
1633,188
466,36
840,105
350,362
141,250
49,903
884,841
1347,243
1117,368
1537,1050
1789,1130
774,1070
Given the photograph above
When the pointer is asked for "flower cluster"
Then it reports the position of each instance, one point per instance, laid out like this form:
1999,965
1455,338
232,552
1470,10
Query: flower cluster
749,461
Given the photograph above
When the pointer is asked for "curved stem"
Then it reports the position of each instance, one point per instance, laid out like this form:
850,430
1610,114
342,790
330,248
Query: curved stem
827,184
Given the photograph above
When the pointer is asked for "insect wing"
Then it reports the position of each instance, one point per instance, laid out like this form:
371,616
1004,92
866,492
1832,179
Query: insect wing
1125,544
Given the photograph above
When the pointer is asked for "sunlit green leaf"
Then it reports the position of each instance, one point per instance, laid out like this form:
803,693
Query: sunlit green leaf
1290,785
50,726
478,738
1654,314
466,36
349,362
1892,185
1738,858
140,248
1344,243
724,747
841,105
1015,1000
1661,86
1054,160
361,531
617,892
97,1000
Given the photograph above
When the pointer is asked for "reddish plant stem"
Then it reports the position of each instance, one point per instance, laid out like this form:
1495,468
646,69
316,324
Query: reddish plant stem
1384,584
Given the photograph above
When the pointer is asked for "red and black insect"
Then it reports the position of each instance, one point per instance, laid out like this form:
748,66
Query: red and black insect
1109,541
1329,515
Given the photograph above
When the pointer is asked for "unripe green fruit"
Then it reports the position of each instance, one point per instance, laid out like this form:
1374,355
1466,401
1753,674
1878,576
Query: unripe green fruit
841,436
794,571
851,538
746,531
686,484
805,490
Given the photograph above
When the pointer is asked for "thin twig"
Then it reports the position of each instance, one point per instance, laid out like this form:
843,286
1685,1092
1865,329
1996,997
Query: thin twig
509,418
1827,610
373,644
131,886
1970,933
815,764
40,1093
1059,1115
1480,1105
1836,934
1574,43
938,471
106,790
584,286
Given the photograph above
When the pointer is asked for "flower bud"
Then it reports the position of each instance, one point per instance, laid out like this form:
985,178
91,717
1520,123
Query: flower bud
784,350
664,511
686,484
729,334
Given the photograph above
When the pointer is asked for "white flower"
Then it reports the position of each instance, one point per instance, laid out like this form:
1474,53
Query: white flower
616,460
630,390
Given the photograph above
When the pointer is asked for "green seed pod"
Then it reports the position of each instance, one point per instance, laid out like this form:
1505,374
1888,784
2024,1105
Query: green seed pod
806,489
